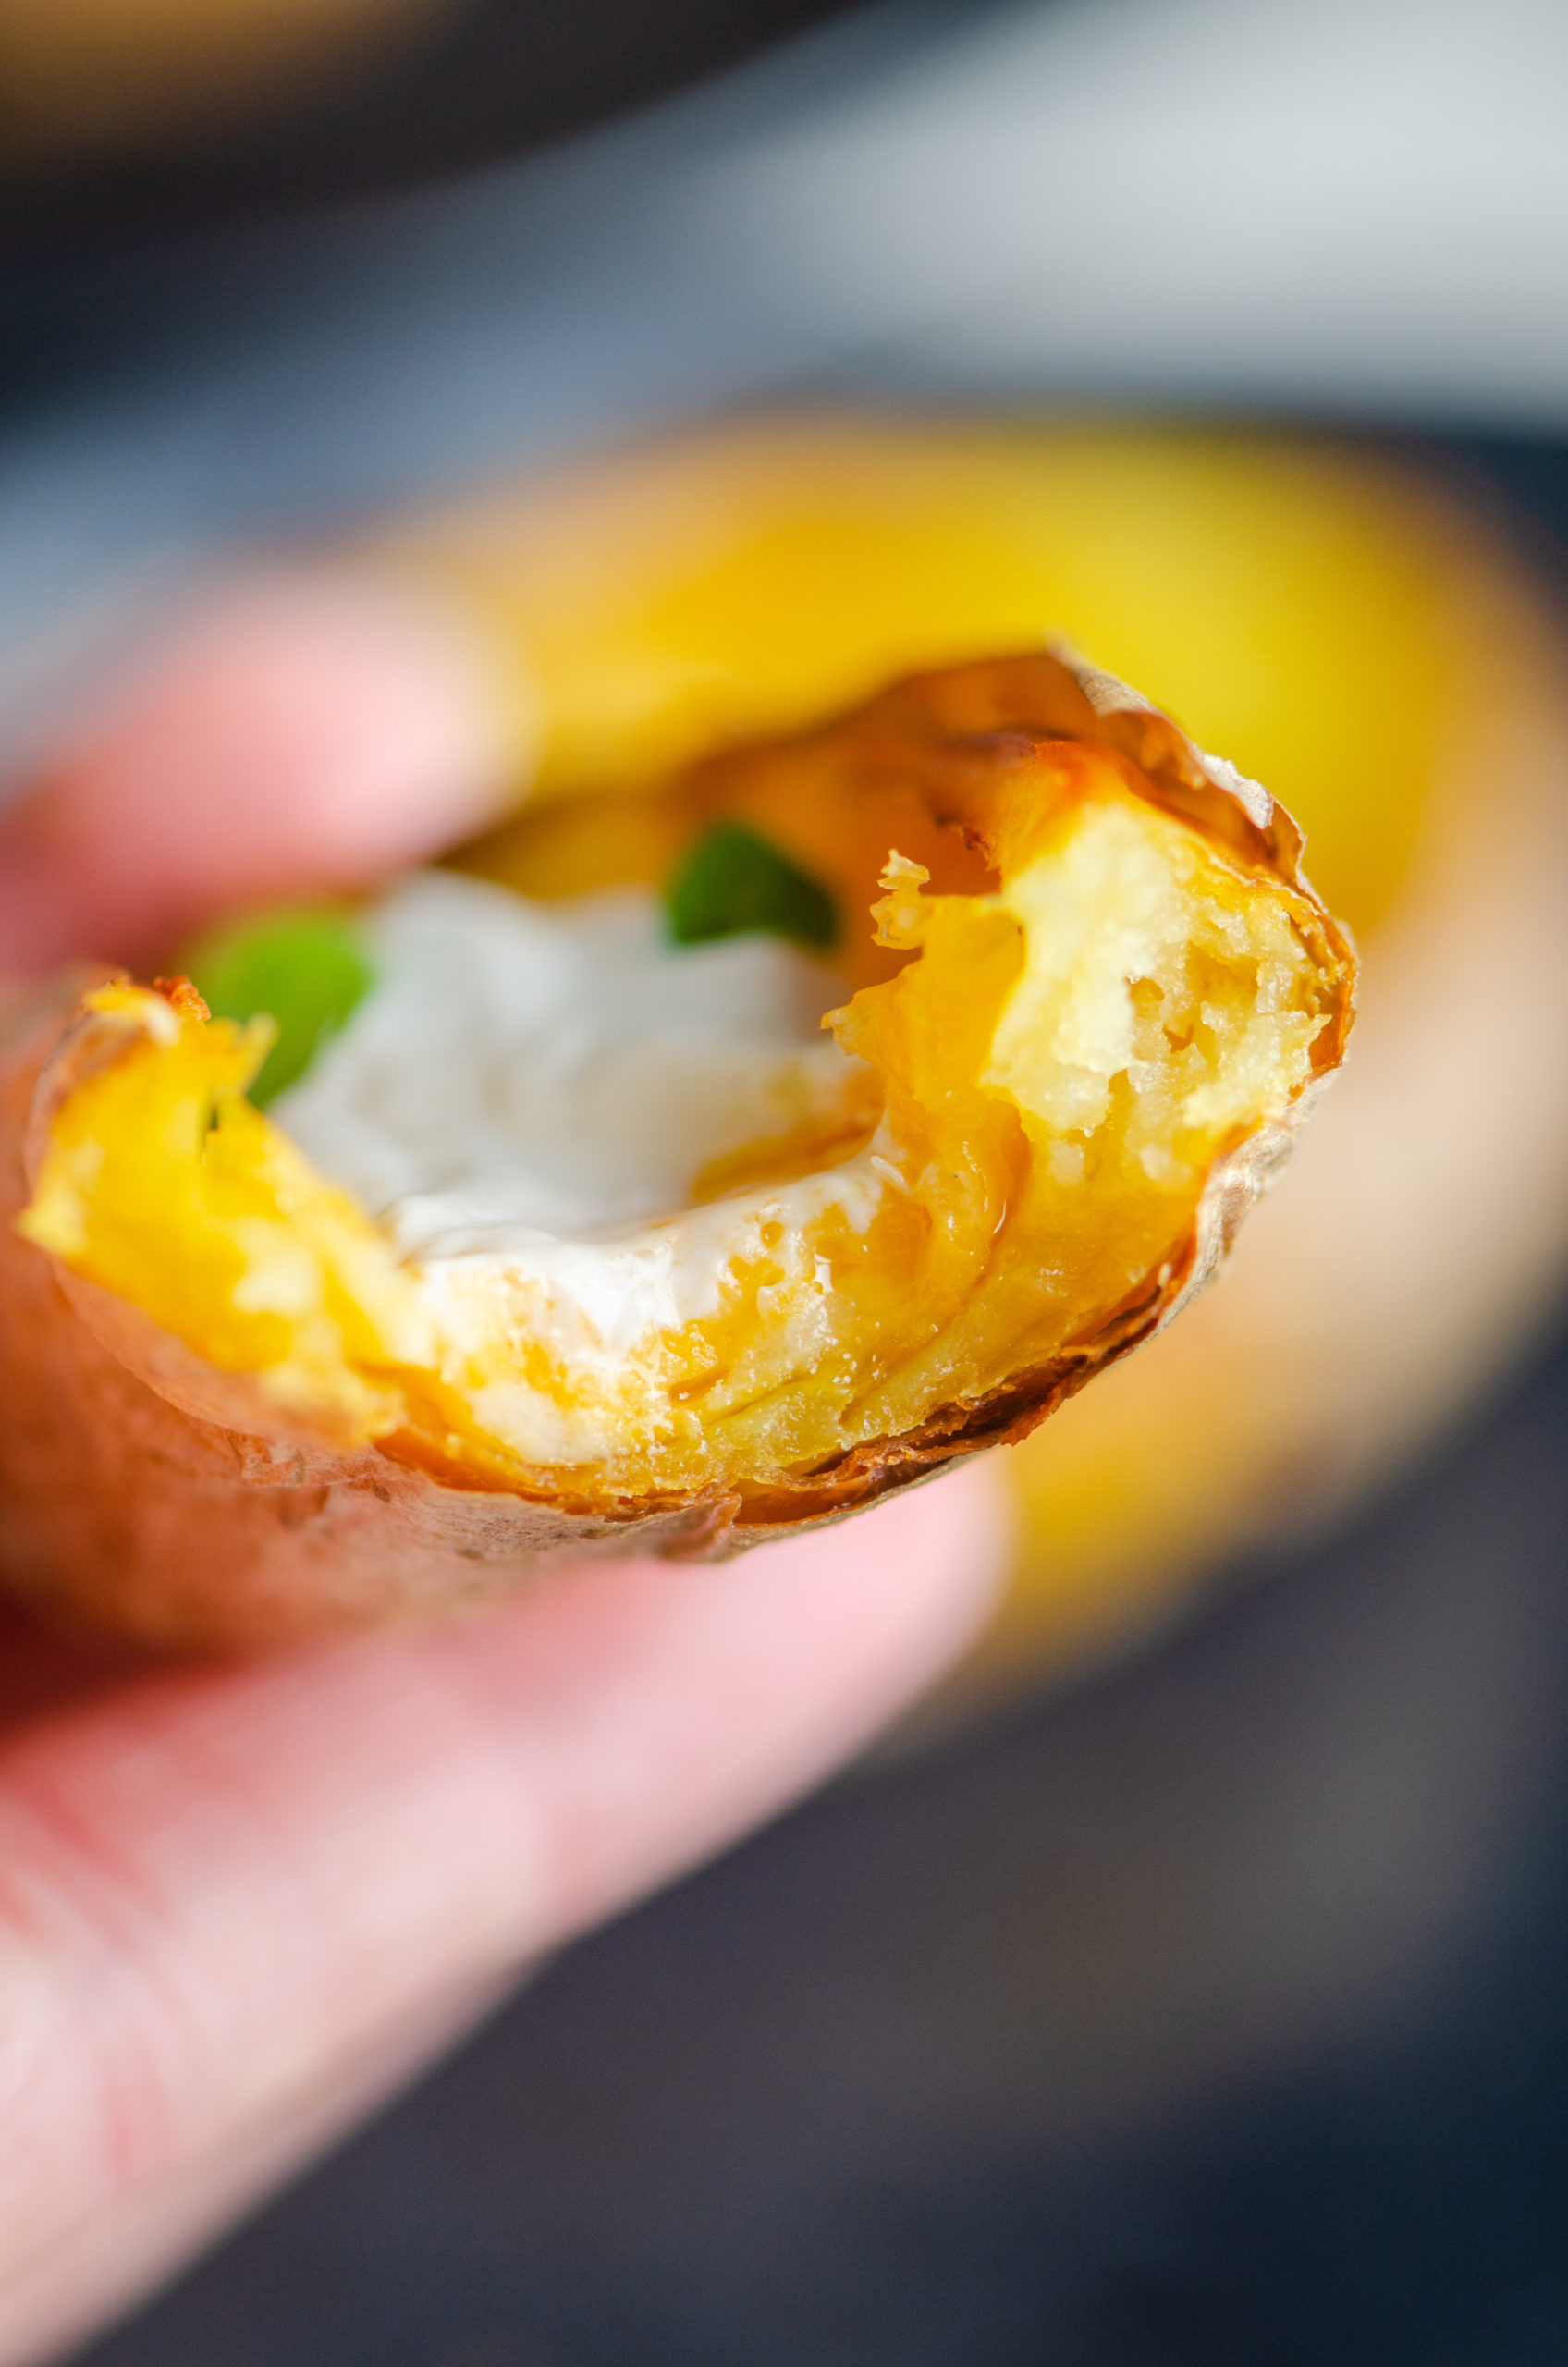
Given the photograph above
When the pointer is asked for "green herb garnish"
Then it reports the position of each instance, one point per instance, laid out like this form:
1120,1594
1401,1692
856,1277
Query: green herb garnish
734,880
307,968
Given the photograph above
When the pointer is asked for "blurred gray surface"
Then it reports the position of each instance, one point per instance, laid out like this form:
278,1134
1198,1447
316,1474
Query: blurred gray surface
1359,207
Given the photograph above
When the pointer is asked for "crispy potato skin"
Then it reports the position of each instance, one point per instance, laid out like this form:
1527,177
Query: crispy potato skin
122,1508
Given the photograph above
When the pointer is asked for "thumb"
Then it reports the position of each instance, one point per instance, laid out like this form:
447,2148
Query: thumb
313,728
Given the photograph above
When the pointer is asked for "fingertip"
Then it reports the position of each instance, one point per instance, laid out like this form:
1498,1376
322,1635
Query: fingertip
661,1708
310,731
922,1570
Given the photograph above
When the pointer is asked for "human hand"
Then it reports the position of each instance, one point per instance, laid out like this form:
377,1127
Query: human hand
237,1904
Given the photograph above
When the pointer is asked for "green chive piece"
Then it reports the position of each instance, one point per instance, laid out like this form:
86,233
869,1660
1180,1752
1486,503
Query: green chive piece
307,968
734,880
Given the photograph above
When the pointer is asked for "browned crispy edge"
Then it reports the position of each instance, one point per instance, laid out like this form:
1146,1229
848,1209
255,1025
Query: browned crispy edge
128,1505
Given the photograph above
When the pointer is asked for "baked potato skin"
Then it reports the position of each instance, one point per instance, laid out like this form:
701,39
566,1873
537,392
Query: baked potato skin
121,1510
187,1517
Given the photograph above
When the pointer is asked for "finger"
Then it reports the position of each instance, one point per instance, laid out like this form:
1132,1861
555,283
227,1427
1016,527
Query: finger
220,1893
43,1671
311,730
109,2261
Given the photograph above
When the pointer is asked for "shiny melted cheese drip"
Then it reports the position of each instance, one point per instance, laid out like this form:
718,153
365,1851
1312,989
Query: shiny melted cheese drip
526,1101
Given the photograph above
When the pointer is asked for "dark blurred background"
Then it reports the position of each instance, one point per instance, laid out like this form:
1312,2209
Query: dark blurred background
1212,2010
123,118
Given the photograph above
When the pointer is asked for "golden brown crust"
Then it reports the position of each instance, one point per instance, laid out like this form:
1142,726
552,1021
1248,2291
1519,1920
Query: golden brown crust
141,1489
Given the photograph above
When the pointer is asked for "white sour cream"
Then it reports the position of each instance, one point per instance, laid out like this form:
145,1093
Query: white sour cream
525,1072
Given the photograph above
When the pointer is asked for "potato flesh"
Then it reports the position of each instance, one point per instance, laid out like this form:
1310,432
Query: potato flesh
1135,1009
162,1184
1061,1064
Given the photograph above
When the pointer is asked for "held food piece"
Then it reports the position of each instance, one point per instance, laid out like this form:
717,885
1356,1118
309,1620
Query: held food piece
967,1028
1353,629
